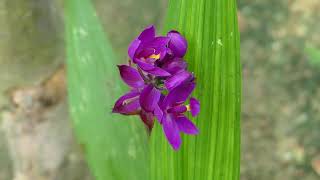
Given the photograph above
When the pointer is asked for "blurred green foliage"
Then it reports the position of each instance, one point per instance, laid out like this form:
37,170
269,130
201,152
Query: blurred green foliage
313,55
115,146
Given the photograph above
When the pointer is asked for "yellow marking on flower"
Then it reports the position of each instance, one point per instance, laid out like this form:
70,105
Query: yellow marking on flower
188,107
155,56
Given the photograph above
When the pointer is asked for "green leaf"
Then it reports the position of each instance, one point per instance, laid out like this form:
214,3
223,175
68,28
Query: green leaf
115,146
210,26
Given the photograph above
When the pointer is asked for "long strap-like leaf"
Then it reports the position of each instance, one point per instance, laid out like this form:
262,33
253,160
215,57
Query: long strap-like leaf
210,27
115,146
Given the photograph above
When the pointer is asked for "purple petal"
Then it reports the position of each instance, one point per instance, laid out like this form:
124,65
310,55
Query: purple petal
133,48
131,76
148,119
151,68
178,109
177,79
186,126
174,66
158,113
158,72
149,98
147,34
127,104
194,107
150,60
179,94
159,45
171,131
178,44
144,65
161,102
145,52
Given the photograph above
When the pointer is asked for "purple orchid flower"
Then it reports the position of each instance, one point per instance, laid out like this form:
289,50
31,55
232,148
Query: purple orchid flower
129,104
160,84
171,113
141,100
147,49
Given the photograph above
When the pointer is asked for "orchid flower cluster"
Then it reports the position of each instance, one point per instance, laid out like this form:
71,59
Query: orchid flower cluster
160,84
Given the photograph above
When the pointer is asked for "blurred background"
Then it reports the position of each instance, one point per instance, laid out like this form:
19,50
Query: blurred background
280,53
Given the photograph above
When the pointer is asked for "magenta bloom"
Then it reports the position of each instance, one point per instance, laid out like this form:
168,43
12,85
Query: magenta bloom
142,98
160,84
147,49
172,109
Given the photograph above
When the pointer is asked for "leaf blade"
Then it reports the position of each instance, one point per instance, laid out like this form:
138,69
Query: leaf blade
115,148
210,27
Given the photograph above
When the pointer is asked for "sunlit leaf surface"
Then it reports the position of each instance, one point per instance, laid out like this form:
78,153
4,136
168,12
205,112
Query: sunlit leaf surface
210,27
